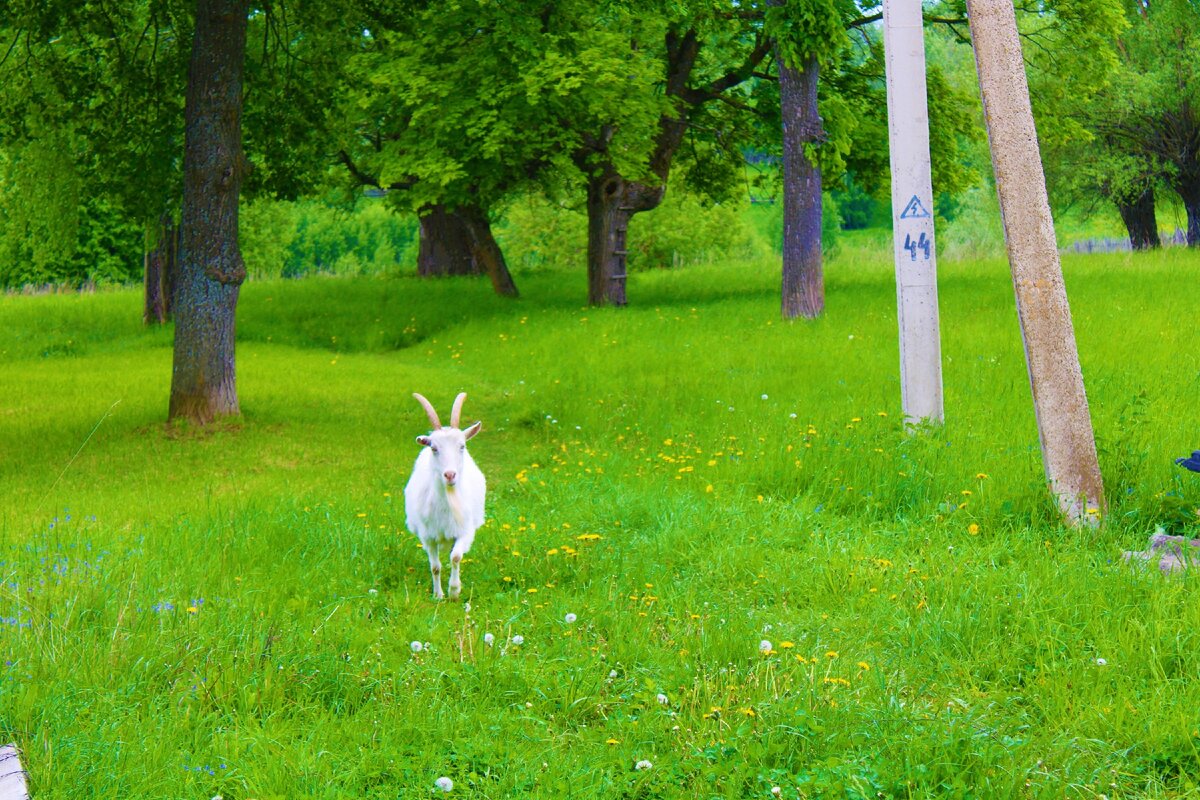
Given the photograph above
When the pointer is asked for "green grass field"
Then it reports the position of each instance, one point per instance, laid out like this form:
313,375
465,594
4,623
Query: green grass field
185,614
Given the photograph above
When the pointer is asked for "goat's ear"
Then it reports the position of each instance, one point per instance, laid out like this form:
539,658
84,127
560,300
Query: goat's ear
423,441
474,429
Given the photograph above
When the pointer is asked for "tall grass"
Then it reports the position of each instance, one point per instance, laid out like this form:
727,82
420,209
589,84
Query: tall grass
190,613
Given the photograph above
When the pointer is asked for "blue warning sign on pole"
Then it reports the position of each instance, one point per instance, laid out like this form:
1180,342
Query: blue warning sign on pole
914,210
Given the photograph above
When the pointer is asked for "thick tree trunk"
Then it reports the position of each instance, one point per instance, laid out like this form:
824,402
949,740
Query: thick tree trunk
1138,216
161,273
211,271
608,221
611,203
445,244
1189,193
485,252
803,279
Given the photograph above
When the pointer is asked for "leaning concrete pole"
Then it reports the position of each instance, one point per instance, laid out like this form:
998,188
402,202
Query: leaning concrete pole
912,212
1059,401
12,776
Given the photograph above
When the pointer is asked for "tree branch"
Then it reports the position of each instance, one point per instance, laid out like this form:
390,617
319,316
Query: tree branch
11,47
358,174
762,46
864,20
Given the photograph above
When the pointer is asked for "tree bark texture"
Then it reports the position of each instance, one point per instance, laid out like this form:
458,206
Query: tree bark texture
486,252
445,244
1060,403
803,279
1189,193
211,271
1139,218
611,203
161,273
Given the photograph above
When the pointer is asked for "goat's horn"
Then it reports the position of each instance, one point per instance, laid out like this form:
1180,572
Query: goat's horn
433,417
457,410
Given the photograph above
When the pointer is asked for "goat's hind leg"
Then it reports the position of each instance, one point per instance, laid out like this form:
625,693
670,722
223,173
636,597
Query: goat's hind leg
435,568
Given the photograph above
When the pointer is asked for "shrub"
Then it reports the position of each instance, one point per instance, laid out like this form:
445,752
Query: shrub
536,233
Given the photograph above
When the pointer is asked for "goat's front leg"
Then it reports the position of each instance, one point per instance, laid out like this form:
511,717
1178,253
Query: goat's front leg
456,557
435,569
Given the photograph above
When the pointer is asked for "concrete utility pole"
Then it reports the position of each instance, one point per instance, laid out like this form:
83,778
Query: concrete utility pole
12,777
912,212
1059,401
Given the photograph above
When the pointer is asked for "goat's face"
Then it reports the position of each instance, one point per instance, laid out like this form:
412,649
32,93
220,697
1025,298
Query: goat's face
449,448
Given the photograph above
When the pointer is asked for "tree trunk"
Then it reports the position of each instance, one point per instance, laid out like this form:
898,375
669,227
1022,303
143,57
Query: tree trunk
1059,401
161,273
1189,193
803,280
155,311
211,271
1139,219
485,252
611,203
445,244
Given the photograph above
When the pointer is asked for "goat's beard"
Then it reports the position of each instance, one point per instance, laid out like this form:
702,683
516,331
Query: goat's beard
455,503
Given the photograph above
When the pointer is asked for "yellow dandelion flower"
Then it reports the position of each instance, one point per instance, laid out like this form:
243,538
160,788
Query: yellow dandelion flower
612,741
552,551
831,654
708,489
981,476
749,712
786,645
863,665
973,529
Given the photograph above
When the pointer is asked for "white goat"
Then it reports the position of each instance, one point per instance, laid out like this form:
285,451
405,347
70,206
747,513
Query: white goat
443,501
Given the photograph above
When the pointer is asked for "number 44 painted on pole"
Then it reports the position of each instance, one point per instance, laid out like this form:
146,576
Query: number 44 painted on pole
913,245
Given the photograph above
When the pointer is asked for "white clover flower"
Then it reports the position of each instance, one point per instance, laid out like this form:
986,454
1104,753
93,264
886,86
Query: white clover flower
765,646
466,608
1101,662
444,783
417,647
518,639
775,790
642,765
764,397
612,674
570,618
489,639
662,699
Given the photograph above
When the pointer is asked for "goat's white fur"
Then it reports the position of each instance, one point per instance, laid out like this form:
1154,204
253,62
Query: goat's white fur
444,498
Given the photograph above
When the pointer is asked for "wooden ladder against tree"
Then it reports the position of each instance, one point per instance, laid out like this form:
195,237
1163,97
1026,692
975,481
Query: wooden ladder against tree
619,251
12,776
